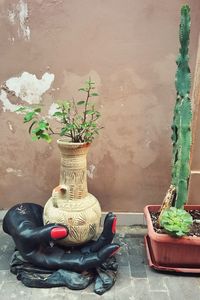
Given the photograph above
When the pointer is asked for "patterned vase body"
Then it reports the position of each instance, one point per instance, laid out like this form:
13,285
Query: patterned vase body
71,204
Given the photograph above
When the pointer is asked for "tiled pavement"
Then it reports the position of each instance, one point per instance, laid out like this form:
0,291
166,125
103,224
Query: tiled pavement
135,280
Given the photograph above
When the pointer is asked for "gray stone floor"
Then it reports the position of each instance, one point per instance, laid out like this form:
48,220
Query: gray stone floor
135,279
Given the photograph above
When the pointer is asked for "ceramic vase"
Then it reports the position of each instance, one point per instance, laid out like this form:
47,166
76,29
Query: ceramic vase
71,204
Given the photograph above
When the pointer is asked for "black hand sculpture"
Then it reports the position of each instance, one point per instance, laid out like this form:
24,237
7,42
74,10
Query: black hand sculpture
32,239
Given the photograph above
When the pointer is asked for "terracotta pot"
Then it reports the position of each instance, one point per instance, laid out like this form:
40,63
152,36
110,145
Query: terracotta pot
172,251
71,204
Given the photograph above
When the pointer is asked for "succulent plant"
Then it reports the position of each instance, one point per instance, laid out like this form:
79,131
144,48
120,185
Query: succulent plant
176,221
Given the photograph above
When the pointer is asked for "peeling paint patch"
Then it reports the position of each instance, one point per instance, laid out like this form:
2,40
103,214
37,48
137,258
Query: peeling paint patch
90,171
29,88
23,19
19,15
15,172
52,109
10,126
11,16
7,105
11,39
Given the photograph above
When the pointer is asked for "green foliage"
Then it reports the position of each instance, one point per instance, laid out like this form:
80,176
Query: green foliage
39,128
78,119
176,222
181,127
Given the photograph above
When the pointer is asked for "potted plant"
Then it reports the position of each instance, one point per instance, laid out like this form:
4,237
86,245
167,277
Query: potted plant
170,243
71,203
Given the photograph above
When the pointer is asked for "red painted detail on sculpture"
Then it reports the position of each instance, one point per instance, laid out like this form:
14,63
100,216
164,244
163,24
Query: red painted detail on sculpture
115,251
114,225
59,233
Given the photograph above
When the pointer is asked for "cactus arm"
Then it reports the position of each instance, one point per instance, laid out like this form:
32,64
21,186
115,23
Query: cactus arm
182,167
181,127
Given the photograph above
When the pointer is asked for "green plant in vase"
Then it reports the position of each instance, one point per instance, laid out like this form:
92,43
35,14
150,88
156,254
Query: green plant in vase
78,119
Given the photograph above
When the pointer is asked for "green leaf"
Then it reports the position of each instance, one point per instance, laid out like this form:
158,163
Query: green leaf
94,94
45,136
29,116
66,129
22,108
34,137
43,125
89,112
85,125
82,90
88,134
37,110
80,102
37,131
58,114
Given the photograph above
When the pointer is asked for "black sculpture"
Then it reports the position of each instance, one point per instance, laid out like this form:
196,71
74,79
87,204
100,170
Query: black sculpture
37,253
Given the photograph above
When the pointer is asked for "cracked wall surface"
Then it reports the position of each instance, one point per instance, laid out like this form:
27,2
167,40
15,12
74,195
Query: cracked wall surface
48,49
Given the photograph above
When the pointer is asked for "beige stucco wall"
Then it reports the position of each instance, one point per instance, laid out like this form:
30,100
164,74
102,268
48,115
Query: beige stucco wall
129,48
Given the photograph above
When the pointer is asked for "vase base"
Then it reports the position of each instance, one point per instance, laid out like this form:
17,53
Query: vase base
82,218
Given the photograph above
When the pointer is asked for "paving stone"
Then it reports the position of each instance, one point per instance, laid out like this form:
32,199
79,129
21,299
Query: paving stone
123,278
137,257
7,276
72,295
89,296
140,289
124,293
60,293
182,287
122,256
6,250
92,296
159,295
39,294
14,290
156,280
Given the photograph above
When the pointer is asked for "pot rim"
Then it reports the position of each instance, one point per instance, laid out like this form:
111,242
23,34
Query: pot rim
67,142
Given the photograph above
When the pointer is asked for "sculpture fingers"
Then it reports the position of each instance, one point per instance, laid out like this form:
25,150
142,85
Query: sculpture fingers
56,258
93,260
48,233
106,236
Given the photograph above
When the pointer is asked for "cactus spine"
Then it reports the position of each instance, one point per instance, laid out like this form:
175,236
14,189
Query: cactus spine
181,127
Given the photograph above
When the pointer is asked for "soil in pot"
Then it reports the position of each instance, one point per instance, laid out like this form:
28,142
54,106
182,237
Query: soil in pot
194,230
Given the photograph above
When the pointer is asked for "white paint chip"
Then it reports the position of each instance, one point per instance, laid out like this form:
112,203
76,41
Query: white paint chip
10,126
11,16
23,17
18,173
90,171
7,105
52,109
19,15
29,88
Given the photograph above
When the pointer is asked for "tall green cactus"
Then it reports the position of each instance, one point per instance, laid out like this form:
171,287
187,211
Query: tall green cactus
181,127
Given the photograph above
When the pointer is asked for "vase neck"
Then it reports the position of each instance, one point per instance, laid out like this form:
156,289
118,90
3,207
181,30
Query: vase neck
73,171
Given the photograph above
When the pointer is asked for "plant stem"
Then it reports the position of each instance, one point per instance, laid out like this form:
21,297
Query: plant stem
86,103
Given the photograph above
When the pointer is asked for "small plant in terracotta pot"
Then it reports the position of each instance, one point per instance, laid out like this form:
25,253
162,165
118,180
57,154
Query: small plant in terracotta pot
169,242
71,204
